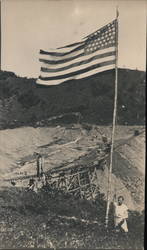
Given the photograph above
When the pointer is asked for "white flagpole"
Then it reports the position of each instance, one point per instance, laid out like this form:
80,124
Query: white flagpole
0,35
113,127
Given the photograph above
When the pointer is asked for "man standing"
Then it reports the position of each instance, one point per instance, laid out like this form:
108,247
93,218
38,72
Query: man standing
120,215
39,160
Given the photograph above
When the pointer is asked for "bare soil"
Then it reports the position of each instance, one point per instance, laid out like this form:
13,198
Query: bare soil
53,219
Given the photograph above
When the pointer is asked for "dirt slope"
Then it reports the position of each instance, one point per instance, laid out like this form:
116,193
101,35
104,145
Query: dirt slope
62,145
129,166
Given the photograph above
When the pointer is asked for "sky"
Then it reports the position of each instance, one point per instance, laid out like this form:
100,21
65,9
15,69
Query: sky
31,25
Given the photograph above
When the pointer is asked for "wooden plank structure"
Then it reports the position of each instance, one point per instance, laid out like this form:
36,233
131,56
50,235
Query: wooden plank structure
80,183
80,179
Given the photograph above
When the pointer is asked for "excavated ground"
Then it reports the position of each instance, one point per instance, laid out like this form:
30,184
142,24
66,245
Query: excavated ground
21,213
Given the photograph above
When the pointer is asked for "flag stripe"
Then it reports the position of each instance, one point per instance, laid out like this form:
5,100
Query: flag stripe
97,70
83,76
60,53
73,69
78,71
58,61
63,50
45,69
70,45
78,60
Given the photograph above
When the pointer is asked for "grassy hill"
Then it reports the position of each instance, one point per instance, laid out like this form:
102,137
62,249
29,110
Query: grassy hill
24,103
55,219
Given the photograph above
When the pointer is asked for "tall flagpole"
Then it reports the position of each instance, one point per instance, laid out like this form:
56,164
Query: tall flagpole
113,127
0,35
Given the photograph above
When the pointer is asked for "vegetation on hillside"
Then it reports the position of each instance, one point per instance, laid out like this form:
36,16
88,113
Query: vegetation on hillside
22,102
51,218
54,219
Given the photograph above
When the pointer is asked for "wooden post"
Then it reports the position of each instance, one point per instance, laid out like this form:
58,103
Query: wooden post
66,183
90,185
79,183
113,128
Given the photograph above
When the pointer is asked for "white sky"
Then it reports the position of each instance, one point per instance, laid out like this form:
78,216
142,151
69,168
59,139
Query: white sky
31,25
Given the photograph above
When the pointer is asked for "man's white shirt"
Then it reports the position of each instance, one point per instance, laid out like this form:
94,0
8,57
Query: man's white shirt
121,211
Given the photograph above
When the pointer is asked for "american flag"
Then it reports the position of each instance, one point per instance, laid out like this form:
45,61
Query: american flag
94,54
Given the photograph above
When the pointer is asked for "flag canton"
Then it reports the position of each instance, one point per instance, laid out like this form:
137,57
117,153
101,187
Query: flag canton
103,38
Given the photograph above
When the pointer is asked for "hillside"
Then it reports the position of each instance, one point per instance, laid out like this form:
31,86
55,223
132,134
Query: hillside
59,147
57,221
66,124
62,220
22,102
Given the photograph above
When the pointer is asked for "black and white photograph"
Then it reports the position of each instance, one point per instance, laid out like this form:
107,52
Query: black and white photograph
72,124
